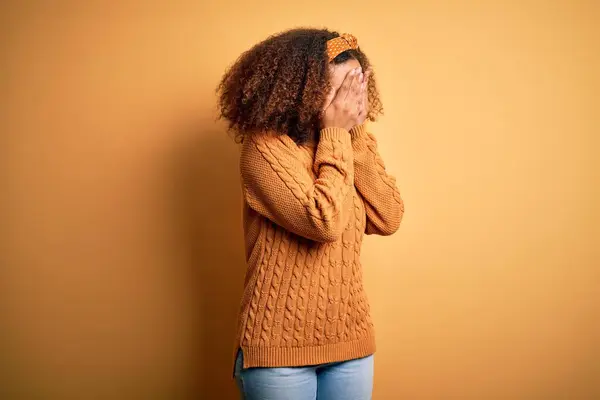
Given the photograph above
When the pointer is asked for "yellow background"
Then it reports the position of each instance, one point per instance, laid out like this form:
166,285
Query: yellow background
121,207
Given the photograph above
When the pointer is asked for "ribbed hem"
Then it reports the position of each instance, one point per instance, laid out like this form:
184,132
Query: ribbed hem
307,355
335,134
359,136
357,131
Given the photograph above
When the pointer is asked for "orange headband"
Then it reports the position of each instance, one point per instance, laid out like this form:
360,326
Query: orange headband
338,45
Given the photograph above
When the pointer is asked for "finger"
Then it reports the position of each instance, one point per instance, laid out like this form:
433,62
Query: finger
363,93
355,89
361,104
367,77
329,99
362,111
355,92
365,101
346,85
361,117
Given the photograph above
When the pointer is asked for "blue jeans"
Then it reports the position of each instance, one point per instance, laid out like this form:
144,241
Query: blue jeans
347,380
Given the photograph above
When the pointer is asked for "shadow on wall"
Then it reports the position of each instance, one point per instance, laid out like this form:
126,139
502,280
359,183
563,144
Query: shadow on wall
208,213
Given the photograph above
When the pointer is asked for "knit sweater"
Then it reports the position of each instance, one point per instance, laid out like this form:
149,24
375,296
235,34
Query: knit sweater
306,210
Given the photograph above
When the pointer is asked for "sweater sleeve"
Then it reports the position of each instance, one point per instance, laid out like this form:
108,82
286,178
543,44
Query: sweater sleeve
383,203
278,185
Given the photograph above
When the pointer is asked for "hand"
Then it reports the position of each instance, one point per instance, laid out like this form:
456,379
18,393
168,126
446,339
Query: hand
343,107
363,103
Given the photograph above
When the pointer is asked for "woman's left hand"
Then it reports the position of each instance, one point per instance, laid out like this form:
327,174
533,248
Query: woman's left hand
363,103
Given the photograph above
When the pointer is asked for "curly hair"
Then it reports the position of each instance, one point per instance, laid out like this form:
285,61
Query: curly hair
281,83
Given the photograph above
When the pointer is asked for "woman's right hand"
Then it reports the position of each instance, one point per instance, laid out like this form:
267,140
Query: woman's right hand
343,107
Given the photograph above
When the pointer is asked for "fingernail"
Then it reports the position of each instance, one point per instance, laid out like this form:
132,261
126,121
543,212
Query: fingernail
361,77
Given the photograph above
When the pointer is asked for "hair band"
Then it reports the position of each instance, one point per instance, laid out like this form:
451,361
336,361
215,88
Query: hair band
338,45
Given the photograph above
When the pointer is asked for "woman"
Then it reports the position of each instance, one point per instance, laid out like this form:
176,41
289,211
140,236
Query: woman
313,185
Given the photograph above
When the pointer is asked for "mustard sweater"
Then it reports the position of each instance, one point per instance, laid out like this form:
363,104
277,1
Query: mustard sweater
307,208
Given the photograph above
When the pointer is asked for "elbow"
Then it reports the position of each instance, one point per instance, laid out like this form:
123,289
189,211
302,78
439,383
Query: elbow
391,226
328,233
390,223
393,223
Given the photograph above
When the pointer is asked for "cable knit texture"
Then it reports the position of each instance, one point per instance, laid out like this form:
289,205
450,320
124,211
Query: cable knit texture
306,210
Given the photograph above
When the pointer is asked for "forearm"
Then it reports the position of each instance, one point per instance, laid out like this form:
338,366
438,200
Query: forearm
278,186
383,203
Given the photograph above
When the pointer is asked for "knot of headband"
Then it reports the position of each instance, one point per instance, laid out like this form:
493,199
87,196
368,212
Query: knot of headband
338,45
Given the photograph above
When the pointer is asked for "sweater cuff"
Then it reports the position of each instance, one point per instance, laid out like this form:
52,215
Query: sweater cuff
358,131
338,134
359,138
